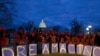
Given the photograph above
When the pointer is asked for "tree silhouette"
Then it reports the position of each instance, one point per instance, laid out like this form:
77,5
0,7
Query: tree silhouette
66,30
28,26
96,29
6,12
56,28
76,27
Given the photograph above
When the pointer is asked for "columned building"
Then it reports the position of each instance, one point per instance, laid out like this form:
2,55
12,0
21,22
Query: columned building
42,26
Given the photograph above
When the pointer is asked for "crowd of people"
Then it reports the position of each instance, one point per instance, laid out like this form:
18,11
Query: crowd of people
21,37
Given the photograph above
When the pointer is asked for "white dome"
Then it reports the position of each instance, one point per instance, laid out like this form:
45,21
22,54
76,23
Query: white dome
42,24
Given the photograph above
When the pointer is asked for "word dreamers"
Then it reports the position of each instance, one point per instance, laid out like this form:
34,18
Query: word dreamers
46,48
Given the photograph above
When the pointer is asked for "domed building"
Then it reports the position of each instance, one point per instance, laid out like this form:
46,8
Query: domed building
42,26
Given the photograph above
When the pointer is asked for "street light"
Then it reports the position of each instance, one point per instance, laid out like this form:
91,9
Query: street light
89,26
88,29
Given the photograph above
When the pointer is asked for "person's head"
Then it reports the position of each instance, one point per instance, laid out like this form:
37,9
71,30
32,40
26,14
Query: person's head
88,35
81,35
21,30
2,30
98,33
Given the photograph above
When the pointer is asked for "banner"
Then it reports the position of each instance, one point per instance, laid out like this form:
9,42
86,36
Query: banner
45,48
54,48
96,51
21,50
87,50
31,49
71,48
8,51
62,47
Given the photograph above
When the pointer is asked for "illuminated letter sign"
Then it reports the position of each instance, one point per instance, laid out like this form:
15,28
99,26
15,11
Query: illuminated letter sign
80,49
54,48
87,50
32,49
96,51
7,51
21,50
62,47
45,48
71,48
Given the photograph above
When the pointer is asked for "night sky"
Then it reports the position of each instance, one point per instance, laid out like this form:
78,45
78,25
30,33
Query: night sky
58,12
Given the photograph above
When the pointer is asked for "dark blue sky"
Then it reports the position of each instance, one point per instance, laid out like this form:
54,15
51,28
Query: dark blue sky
58,12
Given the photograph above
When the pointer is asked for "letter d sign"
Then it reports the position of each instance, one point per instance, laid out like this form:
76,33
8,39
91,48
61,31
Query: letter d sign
7,51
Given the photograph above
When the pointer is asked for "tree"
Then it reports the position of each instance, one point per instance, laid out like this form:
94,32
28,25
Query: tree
28,26
66,30
97,30
56,28
6,12
76,27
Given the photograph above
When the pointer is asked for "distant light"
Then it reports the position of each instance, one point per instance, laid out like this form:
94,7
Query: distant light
87,29
89,26
88,32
